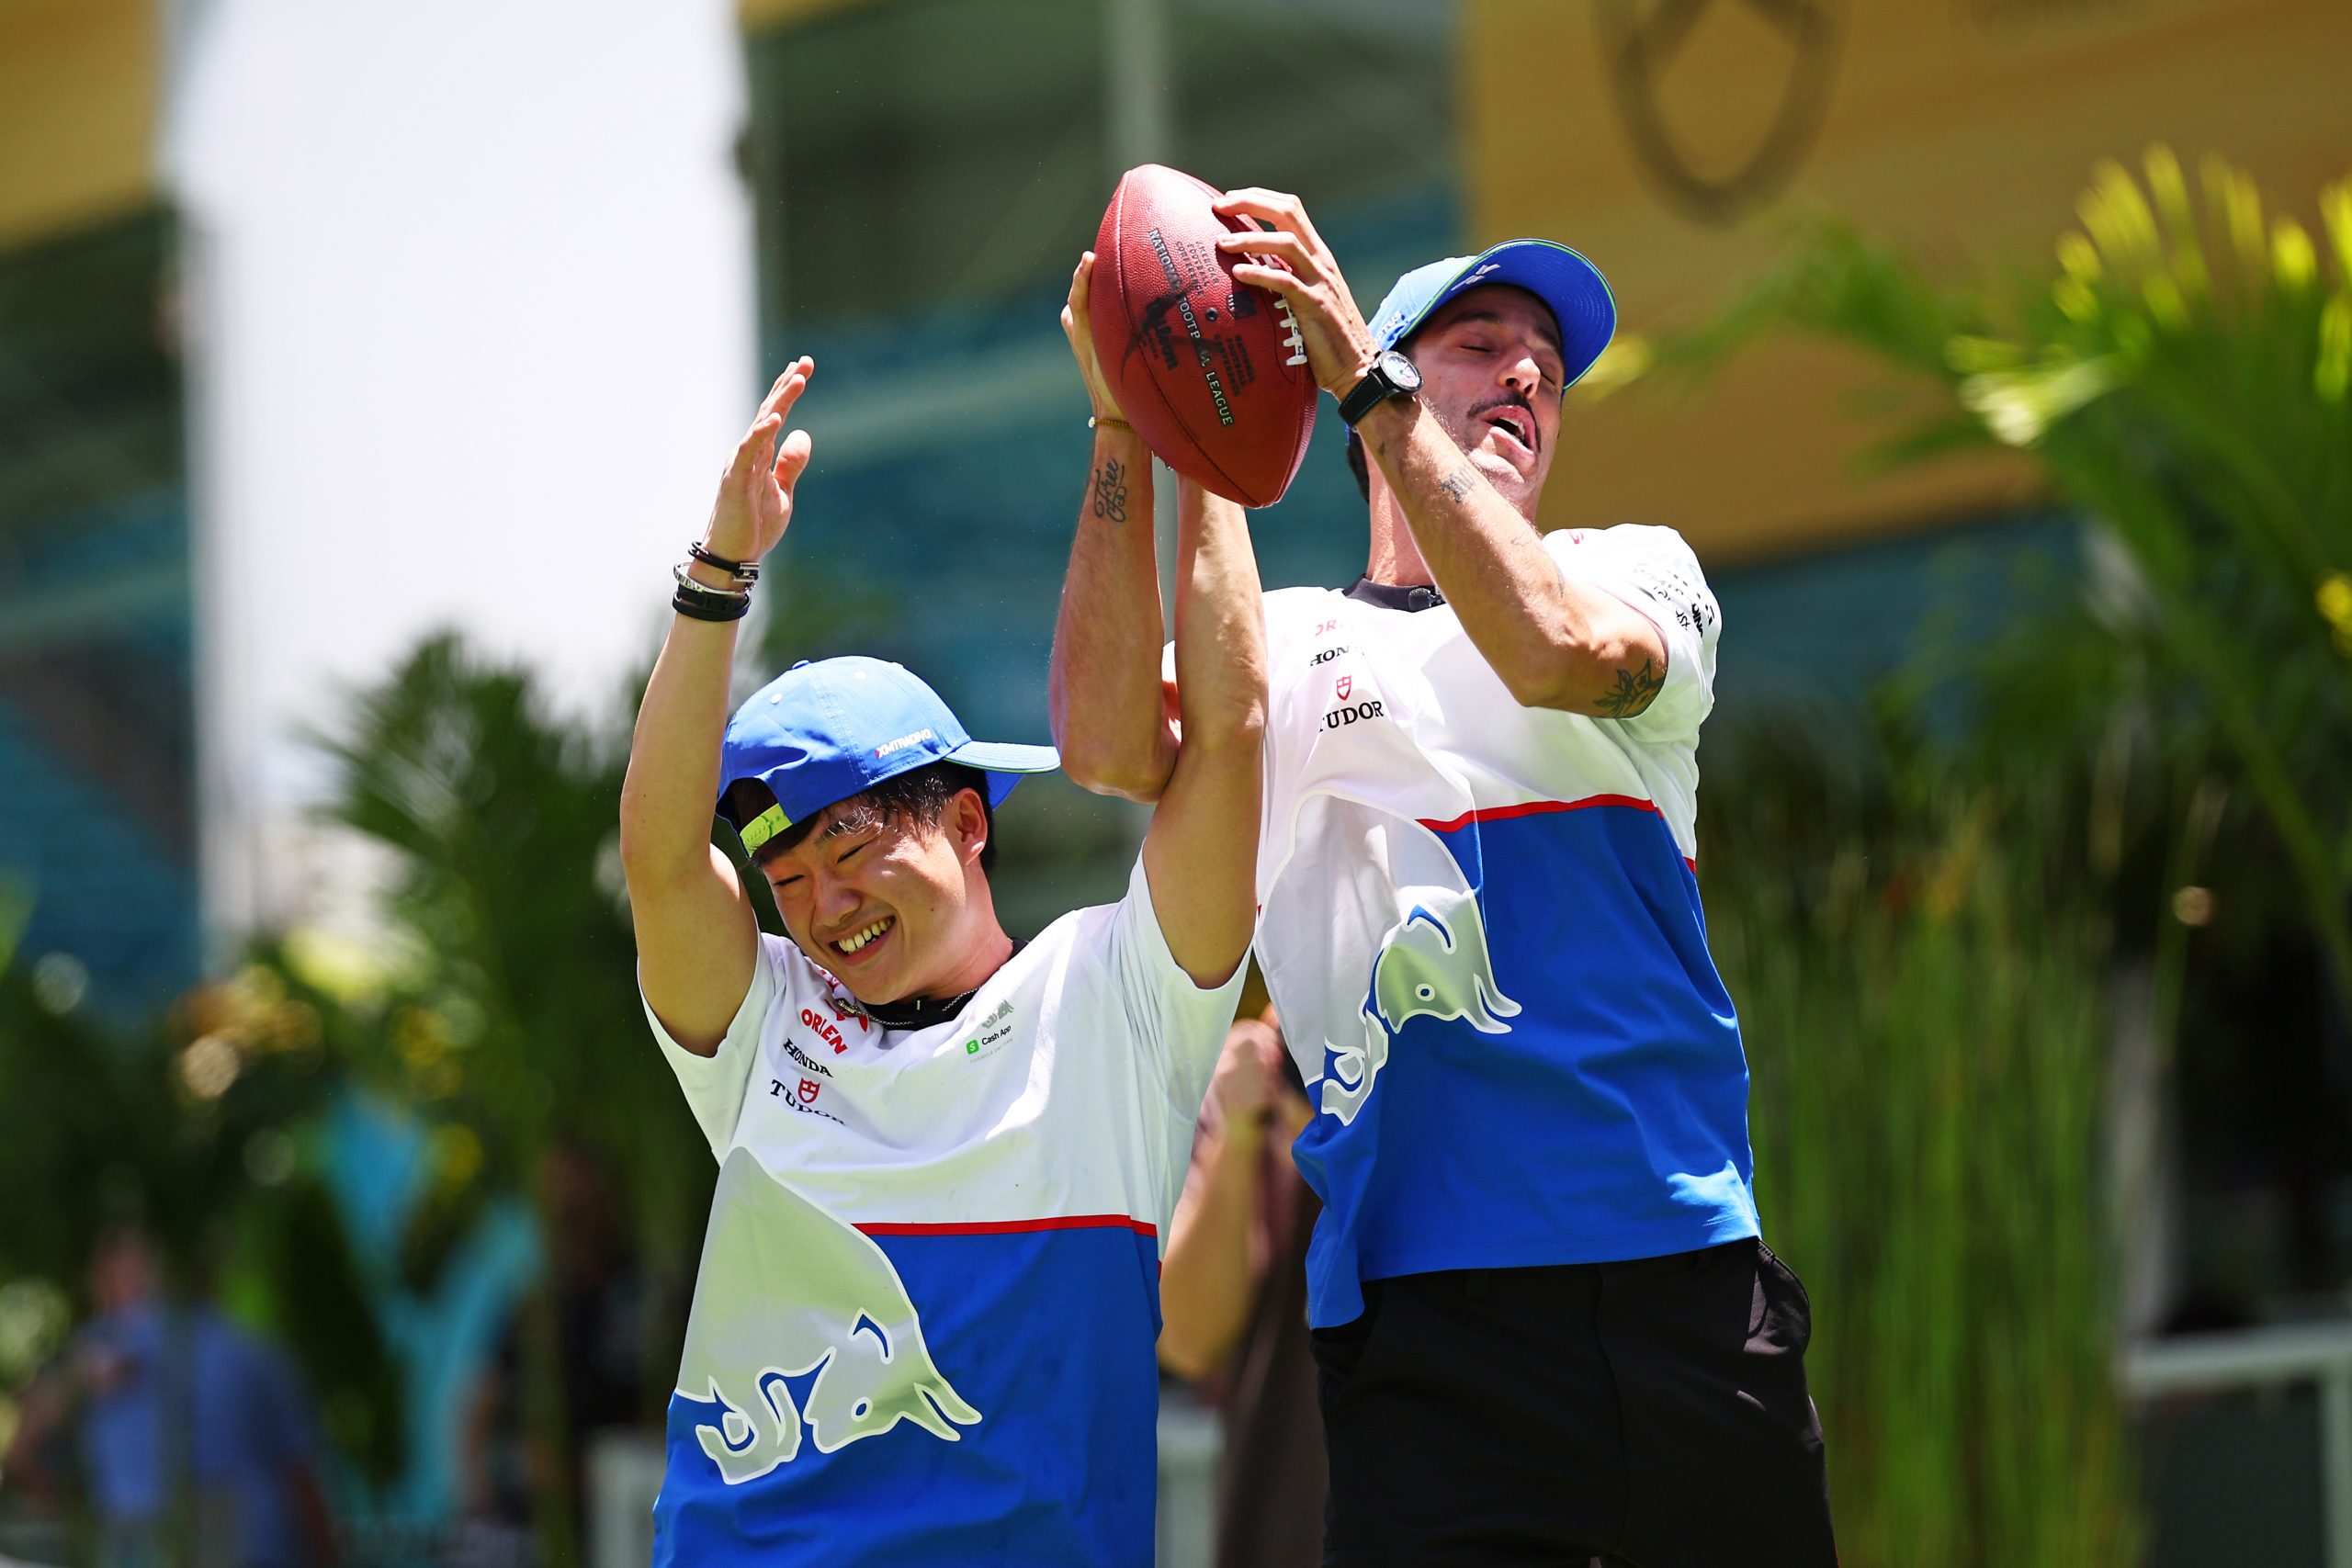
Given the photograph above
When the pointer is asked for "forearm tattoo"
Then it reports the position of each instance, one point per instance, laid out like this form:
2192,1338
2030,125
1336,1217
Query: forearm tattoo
1111,490
1456,485
1633,691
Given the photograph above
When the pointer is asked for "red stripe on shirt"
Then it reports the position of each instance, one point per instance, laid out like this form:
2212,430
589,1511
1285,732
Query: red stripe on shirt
1538,807
1015,1228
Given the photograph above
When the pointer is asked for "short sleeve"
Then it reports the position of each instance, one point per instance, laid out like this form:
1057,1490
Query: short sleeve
1178,1026
1655,571
714,1084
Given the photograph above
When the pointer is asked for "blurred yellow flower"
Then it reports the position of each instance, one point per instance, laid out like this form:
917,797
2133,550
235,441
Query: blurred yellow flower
2293,258
2079,257
2335,598
2235,194
2333,370
2336,212
2118,217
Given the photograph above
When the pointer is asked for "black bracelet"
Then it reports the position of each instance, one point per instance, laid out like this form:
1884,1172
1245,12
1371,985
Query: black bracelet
745,573
720,607
701,602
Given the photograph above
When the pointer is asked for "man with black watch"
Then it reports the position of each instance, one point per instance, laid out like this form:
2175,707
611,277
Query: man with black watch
1391,376
1546,1326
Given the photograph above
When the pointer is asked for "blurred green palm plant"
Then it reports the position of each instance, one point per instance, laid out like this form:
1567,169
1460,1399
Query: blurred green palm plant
1921,1003
509,1012
517,1009
1920,956
2181,379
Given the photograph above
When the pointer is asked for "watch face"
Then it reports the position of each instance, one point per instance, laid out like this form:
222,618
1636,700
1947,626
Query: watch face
1402,372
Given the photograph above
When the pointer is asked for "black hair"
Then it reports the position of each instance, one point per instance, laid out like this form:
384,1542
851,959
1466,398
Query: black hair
921,795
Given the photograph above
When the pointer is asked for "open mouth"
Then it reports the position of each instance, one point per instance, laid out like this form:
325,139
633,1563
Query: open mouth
1515,422
859,941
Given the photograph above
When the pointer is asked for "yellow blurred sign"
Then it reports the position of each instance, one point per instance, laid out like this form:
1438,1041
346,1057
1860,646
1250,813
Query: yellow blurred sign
79,85
1663,138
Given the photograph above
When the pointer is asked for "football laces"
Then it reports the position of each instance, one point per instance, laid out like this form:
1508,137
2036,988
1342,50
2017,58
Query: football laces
1293,339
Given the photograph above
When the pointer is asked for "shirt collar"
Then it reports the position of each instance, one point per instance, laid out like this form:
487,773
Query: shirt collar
922,1012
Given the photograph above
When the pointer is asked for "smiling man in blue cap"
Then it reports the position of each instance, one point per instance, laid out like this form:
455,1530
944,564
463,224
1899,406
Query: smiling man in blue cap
1546,1327
923,1328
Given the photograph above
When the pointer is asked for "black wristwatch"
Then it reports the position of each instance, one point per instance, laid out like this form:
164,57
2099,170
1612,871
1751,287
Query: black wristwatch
1391,376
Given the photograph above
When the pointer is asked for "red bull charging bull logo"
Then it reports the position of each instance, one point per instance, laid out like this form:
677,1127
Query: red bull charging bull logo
1434,963
843,1314
1379,926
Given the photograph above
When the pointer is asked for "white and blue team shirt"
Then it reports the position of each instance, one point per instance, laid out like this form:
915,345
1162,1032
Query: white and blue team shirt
923,1328
1480,923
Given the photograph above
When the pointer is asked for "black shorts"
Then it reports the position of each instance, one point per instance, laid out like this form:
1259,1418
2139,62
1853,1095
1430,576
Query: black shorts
1652,1414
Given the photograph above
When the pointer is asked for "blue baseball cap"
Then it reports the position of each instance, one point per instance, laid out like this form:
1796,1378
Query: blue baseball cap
820,733
1571,286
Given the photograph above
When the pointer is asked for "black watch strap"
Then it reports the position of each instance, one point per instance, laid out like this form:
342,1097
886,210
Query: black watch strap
1377,387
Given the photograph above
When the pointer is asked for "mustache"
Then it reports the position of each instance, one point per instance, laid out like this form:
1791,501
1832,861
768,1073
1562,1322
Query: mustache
1514,400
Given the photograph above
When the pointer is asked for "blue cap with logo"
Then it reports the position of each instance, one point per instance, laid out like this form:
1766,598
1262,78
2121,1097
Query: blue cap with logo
820,733
1571,286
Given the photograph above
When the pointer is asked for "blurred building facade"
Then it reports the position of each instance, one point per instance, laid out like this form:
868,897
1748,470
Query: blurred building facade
97,770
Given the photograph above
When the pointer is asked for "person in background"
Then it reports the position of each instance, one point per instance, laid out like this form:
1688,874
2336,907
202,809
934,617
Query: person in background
197,1442
1233,1303
597,1298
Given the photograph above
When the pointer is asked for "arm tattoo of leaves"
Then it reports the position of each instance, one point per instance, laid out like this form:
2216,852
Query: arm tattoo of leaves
1634,692
1111,492
1457,484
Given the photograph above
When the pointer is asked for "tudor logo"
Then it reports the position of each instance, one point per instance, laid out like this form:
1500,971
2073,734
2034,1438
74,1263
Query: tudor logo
1640,40
808,1091
1339,718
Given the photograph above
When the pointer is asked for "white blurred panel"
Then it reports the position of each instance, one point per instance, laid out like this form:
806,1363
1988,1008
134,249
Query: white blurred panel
470,314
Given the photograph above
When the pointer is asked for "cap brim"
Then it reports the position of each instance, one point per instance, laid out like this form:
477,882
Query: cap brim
1579,296
1005,762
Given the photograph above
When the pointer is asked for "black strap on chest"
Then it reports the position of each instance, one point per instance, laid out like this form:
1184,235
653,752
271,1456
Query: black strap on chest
1395,596
922,1012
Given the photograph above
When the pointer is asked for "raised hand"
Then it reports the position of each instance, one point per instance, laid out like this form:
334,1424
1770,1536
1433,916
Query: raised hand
754,502
1338,344
1081,342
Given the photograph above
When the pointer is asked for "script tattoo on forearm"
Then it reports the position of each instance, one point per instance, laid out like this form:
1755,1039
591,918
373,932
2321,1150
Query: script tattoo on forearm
1633,691
1456,485
1111,492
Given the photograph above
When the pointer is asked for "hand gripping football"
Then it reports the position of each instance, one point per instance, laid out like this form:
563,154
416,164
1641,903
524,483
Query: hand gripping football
1212,373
